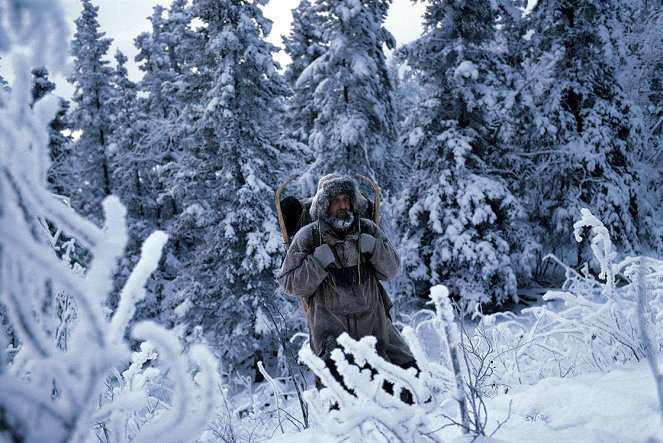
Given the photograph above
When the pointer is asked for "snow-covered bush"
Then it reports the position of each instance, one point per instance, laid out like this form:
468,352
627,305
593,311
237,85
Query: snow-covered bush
52,390
591,324
369,413
456,365
250,411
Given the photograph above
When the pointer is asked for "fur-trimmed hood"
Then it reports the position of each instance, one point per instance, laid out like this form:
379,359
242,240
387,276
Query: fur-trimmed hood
331,185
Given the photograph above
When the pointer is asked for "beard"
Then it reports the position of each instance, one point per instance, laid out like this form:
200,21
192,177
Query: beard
341,221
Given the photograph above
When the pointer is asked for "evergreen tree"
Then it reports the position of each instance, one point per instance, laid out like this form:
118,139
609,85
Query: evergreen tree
59,141
586,133
641,76
91,78
354,127
166,140
227,224
166,59
457,213
127,166
409,94
304,45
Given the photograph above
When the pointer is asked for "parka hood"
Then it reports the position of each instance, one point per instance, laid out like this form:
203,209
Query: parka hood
331,185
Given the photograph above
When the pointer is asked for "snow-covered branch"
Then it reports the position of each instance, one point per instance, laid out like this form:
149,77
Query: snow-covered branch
52,381
359,406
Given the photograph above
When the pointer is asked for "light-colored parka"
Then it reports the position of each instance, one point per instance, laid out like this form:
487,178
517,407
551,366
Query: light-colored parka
346,296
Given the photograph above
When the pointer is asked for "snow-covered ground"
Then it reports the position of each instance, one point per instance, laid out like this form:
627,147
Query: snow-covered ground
620,406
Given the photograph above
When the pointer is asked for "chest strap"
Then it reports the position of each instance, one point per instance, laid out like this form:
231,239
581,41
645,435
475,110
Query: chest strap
351,275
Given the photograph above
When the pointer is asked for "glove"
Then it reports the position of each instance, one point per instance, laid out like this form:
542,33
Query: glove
367,244
324,255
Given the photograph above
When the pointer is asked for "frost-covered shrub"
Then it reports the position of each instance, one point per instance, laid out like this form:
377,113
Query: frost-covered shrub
51,388
252,411
590,324
369,412
456,365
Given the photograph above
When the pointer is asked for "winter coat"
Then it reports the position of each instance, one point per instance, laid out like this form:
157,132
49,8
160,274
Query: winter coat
345,297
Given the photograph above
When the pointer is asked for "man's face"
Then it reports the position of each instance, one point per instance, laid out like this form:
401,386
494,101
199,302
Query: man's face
340,206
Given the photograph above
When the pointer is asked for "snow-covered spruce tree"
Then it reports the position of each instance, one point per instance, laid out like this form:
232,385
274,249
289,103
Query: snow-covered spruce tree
166,57
166,136
586,133
131,168
457,213
641,76
126,167
91,78
50,390
59,141
304,45
355,127
228,238
164,54
168,92
408,94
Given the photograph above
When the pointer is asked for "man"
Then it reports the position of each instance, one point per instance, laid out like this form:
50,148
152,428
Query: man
334,264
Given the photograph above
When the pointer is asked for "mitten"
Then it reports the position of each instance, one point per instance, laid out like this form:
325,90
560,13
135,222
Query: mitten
324,255
367,244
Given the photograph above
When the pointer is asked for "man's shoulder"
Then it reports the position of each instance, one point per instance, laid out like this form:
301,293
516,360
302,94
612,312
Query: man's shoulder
367,225
305,233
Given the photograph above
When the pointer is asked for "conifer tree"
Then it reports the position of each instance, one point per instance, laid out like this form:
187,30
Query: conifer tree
227,222
91,78
586,133
59,143
127,166
165,141
166,59
354,127
304,45
641,76
457,214
409,94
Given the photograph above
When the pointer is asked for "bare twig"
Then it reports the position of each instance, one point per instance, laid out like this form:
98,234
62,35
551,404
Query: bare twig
651,354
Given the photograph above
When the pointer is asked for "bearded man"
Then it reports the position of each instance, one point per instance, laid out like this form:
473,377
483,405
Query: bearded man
334,263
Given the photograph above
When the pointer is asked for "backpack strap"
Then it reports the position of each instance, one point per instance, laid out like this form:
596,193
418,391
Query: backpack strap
386,300
317,237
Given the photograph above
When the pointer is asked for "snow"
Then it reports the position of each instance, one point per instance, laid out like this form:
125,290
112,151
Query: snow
208,135
617,406
467,69
620,406
183,307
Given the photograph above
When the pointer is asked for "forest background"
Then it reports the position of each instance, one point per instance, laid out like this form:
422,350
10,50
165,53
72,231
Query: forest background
487,136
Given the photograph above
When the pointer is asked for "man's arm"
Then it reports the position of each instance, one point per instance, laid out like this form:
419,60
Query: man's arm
302,272
383,256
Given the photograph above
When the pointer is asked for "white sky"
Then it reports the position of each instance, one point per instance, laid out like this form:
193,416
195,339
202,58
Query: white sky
123,20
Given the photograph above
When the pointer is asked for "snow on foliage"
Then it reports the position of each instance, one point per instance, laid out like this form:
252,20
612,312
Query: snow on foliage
91,77
50,388
585,328
585,133
591,324
354,127
362,409
461,223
